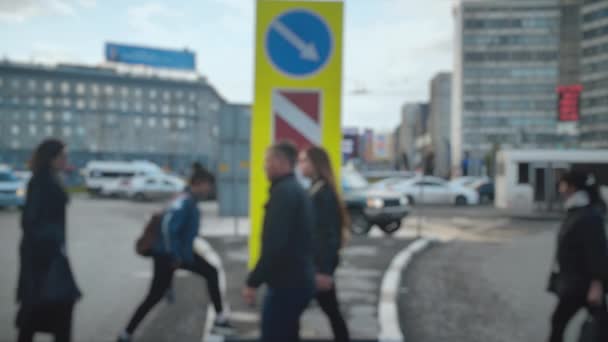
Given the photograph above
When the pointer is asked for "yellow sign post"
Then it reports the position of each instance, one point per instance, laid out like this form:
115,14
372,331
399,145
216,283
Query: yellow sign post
298,88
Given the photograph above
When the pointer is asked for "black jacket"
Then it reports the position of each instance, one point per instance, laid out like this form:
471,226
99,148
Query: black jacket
582,252
43,223
286,260
327,228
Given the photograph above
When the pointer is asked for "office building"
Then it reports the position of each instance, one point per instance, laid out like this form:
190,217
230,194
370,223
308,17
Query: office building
440,109
506,69
594,74
109,112
413,124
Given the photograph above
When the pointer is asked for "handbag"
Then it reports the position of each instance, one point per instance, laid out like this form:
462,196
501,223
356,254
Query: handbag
149,236
59,285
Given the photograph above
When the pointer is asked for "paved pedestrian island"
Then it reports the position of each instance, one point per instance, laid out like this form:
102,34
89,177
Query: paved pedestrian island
363,263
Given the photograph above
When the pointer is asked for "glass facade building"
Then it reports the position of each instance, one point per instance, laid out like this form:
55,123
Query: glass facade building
594,74
507,57
106,114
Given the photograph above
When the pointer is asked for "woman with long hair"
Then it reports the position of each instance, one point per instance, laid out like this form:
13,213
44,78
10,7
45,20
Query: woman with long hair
331,230
580,271
46,292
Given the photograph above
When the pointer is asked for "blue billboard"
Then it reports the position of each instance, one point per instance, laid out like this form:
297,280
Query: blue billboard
159,58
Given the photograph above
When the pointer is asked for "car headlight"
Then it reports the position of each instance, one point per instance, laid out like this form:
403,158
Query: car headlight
20,192
375,203
404,201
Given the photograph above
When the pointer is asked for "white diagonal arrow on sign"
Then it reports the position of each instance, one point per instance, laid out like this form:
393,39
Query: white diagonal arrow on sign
308,51
296,118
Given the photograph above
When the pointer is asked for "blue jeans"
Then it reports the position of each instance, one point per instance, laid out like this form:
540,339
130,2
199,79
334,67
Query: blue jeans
281,313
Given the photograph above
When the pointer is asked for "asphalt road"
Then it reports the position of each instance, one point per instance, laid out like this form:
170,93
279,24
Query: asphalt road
488,288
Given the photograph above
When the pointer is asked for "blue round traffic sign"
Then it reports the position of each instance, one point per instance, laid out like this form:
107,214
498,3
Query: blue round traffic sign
299,43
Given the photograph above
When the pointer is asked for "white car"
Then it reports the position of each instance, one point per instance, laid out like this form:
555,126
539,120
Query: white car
434,190
154,187
467,181
118,187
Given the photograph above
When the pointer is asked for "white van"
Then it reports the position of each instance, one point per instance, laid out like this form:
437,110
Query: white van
99,175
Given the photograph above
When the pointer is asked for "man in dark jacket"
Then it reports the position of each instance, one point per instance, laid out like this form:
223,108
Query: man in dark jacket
286,264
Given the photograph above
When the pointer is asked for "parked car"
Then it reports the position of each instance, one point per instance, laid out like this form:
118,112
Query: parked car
369,207
12,189
154,187
100,174
466,180
118,187
434,190
485,189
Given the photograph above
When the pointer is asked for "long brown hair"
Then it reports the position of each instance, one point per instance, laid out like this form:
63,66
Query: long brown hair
320,162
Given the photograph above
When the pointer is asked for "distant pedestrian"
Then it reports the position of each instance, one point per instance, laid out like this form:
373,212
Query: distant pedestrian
46,291
174,250
286,263
330,229
580,270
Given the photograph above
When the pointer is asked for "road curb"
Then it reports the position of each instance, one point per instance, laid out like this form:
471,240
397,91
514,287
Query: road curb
388,312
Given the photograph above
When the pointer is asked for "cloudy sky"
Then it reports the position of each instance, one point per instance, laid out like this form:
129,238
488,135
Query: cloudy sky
392,47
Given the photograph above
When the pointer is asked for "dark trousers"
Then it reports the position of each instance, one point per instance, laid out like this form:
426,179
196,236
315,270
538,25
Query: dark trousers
281,313
161,282
60,327
566,309
328,301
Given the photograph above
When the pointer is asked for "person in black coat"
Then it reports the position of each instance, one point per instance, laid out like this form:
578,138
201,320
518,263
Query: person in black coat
580,270
46,291
331,226
286,261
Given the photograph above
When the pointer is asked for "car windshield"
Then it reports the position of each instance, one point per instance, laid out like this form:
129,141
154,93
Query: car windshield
8,177
353,180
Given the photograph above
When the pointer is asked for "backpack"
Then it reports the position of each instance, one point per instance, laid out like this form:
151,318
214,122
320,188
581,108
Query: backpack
150,234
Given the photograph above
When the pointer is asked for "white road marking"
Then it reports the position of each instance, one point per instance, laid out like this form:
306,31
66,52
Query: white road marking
388,314
204,249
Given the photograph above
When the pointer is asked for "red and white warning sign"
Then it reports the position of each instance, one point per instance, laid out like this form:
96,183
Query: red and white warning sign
297,117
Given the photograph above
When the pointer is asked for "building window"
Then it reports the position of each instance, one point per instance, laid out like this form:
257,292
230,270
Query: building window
179,94
15,130
32,115
165,109
33,130
65,87
67,102
124,106
15,144
48,86
32,101
111,104
523,173
181,123
32,85
138,106
80,88
48,101
93,104
67,116
67,131
166,122
48,116
192,96
166,95
153,108
138,92
49,130
80,104
152,122
152,93
95,89
15,83
1,81
80,131
181,109
109,90
124,91
137,121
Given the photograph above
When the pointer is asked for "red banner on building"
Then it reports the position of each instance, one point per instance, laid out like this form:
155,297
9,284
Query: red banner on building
569,102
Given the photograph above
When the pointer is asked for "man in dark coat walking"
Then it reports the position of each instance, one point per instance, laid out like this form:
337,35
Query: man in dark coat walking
286,264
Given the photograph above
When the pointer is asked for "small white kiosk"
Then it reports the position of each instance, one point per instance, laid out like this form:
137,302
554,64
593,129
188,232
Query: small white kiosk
527,180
